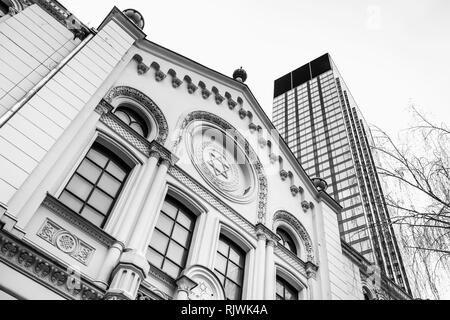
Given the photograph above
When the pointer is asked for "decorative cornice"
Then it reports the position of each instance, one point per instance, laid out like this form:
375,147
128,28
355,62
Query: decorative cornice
162,276
77,220
299,228
144,101
63,16
270,235
103,107
45,271
150,292
291,259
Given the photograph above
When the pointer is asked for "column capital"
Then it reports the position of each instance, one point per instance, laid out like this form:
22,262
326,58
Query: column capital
268,234
311,269
164,154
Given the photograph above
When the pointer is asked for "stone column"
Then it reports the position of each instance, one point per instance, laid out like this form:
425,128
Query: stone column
311,274
140,237
260,264
111,260
133,266
269,292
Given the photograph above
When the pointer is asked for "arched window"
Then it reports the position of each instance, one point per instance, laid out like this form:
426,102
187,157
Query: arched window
286,240
132,119
285,291
171,239
95,186
229,268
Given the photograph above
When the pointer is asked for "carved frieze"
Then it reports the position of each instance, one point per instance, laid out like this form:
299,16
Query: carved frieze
66,242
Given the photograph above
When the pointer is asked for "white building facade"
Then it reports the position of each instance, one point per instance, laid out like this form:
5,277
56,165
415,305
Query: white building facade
128,171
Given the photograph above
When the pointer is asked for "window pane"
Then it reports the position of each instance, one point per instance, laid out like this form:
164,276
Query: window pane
232,291
93,216
290,295
176,253
234,272
123,116
116,171
171,269
236,257
109,184
136,127
159,242
155,258
165,224
223,248
280,288
221,263
100,201
97,157
79,187
181,235
221,277
89,171
70,201
170,210
185,220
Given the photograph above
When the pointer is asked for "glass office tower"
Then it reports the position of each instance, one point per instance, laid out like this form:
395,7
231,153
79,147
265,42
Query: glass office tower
319,119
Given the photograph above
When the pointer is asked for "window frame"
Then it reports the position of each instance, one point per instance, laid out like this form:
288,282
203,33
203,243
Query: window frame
243,255
135,117
187,250
286,234
98,146
285,283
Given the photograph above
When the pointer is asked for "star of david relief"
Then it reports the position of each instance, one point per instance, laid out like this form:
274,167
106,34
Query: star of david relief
219,164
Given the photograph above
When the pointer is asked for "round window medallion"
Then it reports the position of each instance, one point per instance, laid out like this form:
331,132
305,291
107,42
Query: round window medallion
66,243
221,161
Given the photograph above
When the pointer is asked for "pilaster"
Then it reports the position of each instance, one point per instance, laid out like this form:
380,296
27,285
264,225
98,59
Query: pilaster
133,267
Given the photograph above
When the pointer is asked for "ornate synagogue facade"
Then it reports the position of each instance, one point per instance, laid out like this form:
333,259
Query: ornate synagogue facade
128,171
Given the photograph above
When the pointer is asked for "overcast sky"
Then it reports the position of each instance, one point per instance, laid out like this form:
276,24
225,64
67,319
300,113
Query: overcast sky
390,53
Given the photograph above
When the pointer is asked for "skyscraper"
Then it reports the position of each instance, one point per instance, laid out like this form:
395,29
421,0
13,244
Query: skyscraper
321,122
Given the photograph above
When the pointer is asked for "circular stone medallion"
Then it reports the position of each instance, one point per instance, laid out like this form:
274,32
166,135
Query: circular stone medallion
66,242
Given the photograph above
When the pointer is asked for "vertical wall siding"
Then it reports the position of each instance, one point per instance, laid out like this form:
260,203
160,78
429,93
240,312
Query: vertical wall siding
27,137
32,43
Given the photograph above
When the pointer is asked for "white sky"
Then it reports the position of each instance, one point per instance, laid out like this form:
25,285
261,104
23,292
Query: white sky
389,52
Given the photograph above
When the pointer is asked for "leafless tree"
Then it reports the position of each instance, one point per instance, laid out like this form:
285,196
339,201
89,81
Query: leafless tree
416,169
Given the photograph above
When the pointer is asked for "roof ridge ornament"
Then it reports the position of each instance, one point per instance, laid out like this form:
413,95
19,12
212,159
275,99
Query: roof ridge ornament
135,17
240,75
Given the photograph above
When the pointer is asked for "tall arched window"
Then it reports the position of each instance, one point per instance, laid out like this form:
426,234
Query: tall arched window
95,186
285,291
171,239
229,268
286,240
132,119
